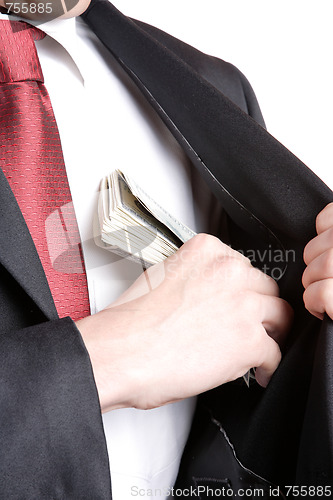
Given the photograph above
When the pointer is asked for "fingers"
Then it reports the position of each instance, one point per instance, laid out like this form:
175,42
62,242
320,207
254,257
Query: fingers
261,283
277,320
318,298
324,219
277,317
272,360
318,275
318,269
318,245
217,261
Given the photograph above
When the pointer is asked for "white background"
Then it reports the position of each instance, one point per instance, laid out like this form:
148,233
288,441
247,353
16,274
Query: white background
284,47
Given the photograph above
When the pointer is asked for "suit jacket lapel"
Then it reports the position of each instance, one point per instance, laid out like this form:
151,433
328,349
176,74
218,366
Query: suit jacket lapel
18,253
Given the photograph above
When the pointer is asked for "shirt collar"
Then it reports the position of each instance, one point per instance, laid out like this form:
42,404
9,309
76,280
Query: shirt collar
64,32
55,28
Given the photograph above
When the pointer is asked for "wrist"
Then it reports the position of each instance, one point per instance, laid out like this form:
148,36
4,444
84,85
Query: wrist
103,338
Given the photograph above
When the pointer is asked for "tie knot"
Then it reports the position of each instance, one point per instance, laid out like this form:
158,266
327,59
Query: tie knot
18,55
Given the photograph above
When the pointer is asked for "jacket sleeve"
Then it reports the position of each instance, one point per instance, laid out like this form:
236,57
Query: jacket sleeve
52,443
51,434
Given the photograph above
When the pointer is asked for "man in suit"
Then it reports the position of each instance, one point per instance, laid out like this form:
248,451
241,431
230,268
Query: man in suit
146,348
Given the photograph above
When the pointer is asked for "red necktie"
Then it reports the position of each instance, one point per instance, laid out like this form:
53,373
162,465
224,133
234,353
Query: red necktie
31,158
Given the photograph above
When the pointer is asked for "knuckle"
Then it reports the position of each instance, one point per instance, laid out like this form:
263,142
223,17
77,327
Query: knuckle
216,259
235,263
205,240
319,221
214,249
318,297
330,235
328,263
307,253
250,304
326,293
204,245
312,303
230,268
272,285
246,261
305,279
212,246
324,218
307,299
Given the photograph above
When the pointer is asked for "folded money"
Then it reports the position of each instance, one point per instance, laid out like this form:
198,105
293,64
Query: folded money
135,226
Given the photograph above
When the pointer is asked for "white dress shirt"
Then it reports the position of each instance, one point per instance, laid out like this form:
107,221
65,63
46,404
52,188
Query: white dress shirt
105,123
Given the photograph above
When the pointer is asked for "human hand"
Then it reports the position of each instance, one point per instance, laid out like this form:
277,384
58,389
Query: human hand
318,275
201,318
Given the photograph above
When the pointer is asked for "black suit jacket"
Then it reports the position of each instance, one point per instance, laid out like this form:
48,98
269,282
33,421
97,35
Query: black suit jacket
51,436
